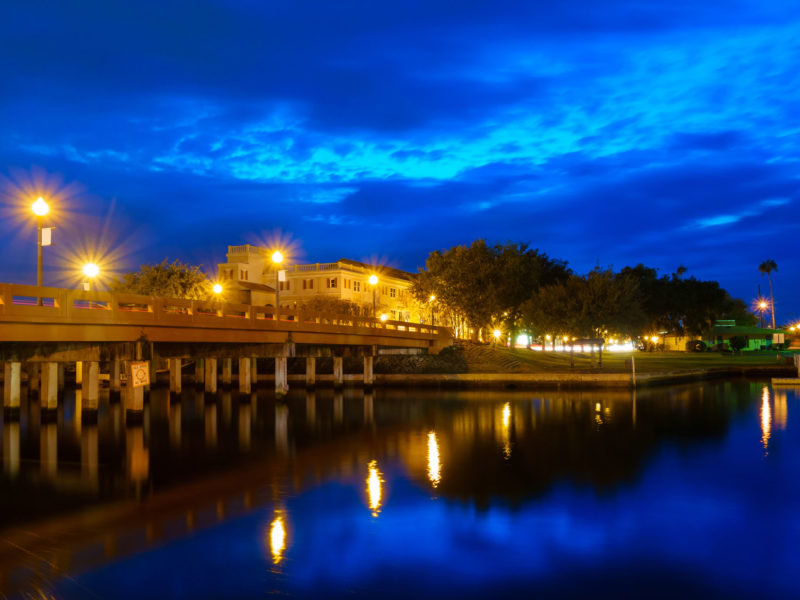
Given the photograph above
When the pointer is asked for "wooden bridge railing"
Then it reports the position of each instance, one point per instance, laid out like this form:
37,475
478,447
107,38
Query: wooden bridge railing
21,303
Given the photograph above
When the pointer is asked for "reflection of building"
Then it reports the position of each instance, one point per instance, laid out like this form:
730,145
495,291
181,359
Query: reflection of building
249,277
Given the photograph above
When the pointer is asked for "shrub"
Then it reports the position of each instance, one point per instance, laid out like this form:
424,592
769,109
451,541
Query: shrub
696,346
737,342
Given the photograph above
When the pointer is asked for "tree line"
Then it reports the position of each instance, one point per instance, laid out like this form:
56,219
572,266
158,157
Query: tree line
513,287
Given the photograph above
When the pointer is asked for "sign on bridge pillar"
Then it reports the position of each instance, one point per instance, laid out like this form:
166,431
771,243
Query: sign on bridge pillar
138,378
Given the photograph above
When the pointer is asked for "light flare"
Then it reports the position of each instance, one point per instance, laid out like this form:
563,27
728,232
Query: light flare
277,538
766,419
434,463
374,491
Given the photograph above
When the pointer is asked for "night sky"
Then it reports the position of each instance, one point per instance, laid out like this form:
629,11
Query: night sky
603,133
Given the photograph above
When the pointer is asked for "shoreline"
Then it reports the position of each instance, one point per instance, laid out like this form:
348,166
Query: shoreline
549,380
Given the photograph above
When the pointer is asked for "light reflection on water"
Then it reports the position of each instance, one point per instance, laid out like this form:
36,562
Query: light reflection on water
561,494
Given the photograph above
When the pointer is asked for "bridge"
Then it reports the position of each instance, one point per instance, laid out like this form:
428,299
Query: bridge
44,328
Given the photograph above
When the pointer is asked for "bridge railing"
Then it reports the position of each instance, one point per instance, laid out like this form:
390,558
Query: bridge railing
27,303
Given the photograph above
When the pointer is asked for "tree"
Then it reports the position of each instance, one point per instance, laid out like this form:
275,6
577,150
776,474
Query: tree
167,279
480,285
336,306
766,268
586,306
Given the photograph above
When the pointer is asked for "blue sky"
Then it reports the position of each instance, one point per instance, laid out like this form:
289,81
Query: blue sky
662,132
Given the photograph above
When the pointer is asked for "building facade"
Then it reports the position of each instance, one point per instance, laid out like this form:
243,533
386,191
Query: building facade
250,277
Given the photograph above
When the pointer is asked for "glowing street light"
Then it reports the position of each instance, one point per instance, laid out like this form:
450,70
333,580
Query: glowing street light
91,271
217,289
384,316
40,208
277,259
373,281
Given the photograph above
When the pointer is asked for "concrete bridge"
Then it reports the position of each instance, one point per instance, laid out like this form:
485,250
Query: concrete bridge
42,329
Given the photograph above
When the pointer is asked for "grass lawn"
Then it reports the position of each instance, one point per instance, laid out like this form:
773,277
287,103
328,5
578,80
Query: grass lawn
487,359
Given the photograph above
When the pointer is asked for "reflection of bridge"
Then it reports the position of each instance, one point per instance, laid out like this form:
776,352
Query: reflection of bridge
44,328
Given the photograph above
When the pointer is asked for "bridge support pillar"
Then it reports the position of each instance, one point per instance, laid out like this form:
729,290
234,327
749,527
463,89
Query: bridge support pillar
134,402
78,373
369,377
254,371
90,386
175,382
244,375
368,408
282,428
12,376
338,407
338,372
114,377
199,371
210,375
227,371
34,371
60,377
49,391
311,372
281,378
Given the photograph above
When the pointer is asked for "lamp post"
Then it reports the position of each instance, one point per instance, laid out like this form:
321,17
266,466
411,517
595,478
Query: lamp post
277,259
40,209
373,281
431,299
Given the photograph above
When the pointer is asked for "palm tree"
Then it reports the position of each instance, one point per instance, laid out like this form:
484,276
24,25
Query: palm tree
767,267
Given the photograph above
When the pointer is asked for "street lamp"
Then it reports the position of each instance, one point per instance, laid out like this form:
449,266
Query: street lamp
373,281
277,259
90,271
217,289
431,299
40,209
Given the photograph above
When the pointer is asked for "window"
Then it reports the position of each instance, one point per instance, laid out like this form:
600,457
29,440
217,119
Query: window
356,286
311,284
283,285
331,282
392,292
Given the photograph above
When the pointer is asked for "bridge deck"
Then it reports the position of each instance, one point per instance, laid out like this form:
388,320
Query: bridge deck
33,314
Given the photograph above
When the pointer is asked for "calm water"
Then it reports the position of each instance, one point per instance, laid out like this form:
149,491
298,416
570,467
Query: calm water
691,491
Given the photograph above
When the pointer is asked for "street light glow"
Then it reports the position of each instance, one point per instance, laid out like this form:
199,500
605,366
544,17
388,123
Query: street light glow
384,316
40,207
432,298
497,333
277,257
373,279
91,270
217,288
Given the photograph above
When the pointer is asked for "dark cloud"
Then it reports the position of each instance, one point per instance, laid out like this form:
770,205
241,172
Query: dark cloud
658,132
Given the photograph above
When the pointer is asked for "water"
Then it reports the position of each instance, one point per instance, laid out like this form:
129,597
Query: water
688,491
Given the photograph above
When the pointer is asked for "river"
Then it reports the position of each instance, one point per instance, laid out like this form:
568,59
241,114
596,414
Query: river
685,491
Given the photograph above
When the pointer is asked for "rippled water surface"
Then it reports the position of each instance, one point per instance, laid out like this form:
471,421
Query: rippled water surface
690,491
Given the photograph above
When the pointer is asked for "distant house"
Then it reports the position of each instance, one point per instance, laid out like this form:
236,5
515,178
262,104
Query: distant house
757,338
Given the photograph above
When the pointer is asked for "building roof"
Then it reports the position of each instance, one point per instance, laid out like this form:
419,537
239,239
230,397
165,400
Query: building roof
256,287
389,271
745,330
